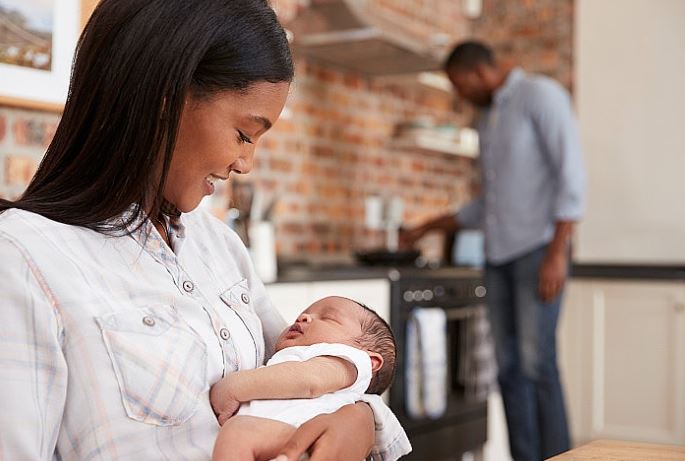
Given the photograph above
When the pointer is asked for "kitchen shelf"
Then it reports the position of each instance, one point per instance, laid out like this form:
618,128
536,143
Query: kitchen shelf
430,144
435,81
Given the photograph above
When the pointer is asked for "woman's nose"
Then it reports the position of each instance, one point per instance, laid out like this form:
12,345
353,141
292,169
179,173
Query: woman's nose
245,162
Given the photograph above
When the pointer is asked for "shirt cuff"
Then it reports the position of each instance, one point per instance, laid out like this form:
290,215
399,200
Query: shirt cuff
391,441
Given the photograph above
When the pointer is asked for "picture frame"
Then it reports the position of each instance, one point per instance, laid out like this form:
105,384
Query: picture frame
36,32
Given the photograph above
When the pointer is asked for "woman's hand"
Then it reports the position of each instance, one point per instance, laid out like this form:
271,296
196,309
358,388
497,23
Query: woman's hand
346,435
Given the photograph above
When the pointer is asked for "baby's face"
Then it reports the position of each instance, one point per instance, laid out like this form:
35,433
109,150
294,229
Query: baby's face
328,320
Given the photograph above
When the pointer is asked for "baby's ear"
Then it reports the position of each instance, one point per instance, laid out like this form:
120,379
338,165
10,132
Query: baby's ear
376,361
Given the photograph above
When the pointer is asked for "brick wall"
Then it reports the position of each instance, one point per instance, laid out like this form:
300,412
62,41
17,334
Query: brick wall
331,150
24,136
536,34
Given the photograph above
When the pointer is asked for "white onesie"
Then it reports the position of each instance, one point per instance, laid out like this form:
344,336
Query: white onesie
299,411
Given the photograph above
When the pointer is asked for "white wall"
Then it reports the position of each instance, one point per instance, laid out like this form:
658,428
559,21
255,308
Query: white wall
630,96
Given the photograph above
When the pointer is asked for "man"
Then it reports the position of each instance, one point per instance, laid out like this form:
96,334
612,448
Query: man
532,194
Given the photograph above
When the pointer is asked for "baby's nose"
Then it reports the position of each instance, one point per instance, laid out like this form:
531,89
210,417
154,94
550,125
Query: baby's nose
304,317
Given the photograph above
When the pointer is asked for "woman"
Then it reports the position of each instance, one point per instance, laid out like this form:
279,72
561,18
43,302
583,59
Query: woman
122,303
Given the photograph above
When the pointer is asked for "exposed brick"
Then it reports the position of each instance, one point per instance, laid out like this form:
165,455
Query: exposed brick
32,132
332,151
3,127
19,169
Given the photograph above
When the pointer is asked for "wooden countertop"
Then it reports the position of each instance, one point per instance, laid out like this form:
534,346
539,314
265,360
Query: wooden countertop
612,450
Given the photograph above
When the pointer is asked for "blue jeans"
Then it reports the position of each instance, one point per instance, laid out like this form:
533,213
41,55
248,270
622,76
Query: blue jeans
524,330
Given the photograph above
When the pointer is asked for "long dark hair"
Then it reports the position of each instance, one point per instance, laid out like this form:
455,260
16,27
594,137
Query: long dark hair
136,61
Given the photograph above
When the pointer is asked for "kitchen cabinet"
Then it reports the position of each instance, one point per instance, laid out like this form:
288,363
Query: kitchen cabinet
292,298
622,357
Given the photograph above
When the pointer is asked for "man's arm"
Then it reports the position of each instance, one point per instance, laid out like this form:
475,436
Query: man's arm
557,128
448,223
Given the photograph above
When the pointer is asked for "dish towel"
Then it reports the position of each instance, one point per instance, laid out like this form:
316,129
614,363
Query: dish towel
426,363
477,370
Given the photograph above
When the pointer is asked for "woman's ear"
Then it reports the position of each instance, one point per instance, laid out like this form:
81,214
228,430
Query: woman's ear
376,361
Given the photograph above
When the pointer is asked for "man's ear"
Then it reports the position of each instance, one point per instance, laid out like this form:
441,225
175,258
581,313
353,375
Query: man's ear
483,71
376,361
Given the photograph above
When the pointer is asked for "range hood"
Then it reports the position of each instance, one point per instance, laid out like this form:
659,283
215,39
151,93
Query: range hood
358,36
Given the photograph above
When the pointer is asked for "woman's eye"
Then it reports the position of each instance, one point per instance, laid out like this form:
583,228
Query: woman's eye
243,138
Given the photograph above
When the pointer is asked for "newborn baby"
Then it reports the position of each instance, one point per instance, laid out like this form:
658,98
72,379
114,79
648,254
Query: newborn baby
336,350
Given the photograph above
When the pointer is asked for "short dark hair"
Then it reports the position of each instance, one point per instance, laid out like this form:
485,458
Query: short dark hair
467,55
377,336
136,63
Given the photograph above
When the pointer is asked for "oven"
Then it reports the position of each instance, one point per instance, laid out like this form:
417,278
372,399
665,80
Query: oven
463,426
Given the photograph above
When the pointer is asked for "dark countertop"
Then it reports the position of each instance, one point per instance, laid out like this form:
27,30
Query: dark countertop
320,273
627,272
301,274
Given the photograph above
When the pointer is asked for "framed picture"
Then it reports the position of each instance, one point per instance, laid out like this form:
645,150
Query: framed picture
37,43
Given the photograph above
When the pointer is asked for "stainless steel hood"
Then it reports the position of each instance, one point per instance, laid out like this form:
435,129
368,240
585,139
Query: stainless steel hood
357,35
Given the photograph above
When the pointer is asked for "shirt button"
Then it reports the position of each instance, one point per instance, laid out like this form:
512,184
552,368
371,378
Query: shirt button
188,286
224,333
149,321
245,298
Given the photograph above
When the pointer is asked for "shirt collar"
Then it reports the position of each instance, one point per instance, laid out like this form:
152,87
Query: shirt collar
143,231
502,93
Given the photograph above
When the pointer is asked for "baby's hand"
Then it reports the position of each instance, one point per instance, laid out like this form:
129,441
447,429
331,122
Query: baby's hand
223,403
230,407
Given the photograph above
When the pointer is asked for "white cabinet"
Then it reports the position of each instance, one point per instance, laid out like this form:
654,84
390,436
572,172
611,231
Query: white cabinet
292,298
622,354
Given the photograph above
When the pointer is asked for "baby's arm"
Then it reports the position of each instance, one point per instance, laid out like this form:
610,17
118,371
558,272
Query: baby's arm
286,380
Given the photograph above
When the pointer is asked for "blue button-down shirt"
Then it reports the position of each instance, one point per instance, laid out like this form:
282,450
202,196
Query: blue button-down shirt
531,166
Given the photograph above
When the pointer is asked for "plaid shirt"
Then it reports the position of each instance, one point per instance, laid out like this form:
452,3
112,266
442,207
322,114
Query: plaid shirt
109,345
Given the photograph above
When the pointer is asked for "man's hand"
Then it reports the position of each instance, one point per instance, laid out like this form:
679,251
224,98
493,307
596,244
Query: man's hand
346,435
552,274
223,402
408,237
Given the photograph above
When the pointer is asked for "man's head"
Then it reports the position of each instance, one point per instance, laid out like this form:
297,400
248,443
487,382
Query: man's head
473,71
340,320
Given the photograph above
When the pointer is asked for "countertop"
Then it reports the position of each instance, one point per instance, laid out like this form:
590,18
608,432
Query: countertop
329,272
611,450
318,273
630,272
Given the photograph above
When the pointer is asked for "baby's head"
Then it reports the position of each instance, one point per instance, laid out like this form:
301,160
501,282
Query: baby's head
341,320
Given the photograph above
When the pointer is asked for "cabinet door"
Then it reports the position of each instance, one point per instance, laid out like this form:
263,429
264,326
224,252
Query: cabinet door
289,298
625,353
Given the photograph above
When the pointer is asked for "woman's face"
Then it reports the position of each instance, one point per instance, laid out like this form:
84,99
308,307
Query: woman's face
217,136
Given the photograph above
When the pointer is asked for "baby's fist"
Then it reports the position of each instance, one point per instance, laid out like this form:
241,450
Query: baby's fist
223,404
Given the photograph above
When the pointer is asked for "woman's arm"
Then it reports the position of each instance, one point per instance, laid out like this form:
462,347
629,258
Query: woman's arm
346,435
33,382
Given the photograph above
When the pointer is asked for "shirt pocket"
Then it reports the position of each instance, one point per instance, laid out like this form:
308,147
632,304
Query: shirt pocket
238,298
159,361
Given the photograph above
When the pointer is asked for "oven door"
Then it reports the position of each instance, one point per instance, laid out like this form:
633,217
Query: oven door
470,374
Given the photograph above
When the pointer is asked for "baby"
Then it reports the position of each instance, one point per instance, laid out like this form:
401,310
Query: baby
336,350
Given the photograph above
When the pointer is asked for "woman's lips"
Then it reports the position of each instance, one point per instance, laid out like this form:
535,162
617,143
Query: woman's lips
210,183
208,188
